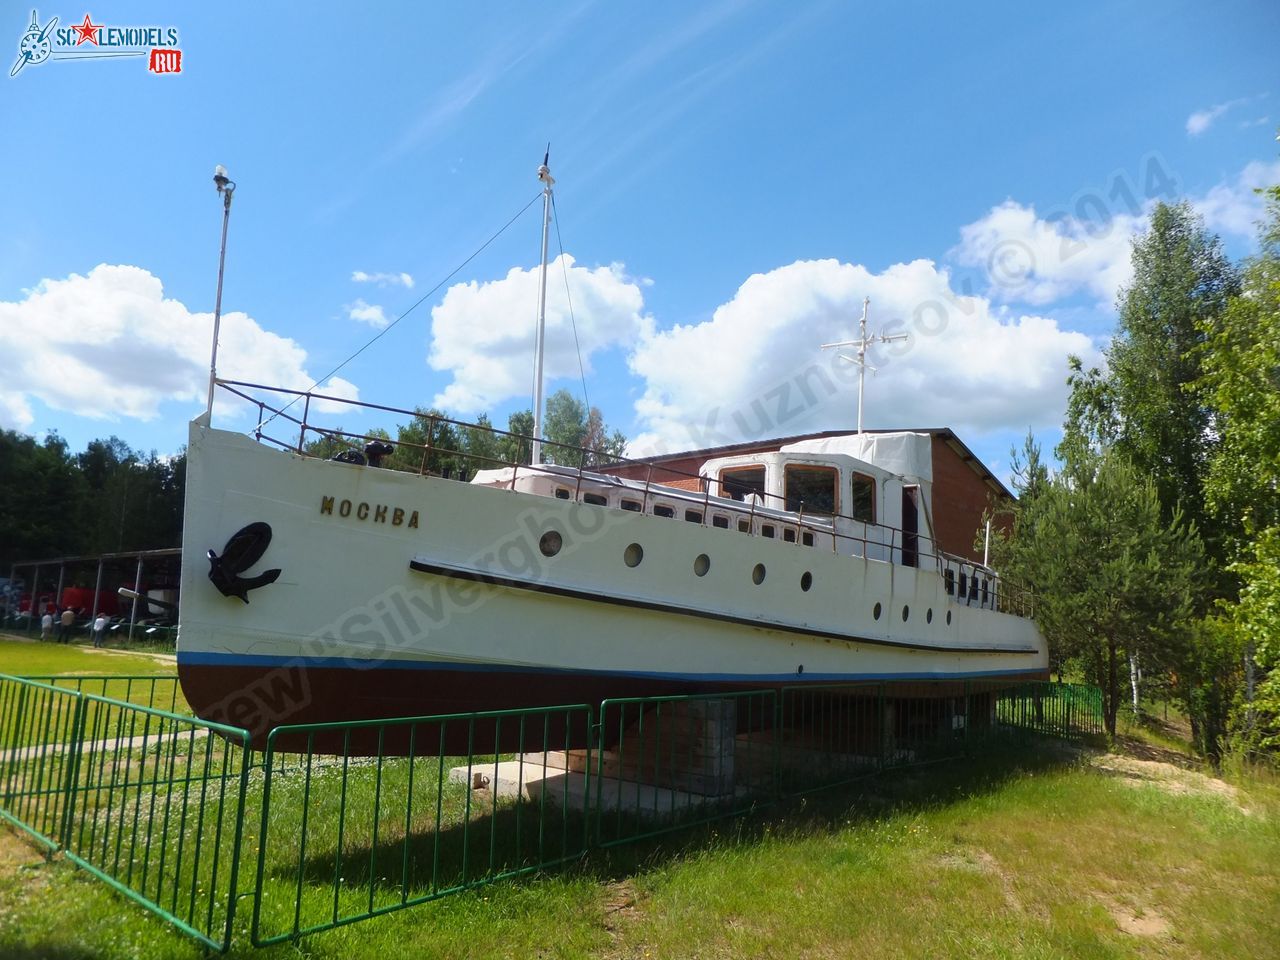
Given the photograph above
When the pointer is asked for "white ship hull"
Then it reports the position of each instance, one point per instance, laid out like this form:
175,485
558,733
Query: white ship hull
401,595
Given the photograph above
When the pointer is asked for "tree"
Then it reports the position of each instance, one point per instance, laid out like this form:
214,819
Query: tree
1151,404
1241,379
1112,576
570,428
1241,367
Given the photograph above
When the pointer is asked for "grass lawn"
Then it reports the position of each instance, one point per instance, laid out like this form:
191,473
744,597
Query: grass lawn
20,656
1014,854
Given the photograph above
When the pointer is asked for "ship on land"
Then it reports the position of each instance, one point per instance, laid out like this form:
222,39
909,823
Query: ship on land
318,590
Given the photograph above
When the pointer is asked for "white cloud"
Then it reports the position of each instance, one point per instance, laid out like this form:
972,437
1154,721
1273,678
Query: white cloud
382,279
1202,120
1234,205
1032,259
110,345
755,368
369,313
1039,260
483,332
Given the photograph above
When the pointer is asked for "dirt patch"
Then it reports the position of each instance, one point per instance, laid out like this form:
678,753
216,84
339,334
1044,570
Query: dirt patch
980,861
16,853
1137,921
1166,776
620,907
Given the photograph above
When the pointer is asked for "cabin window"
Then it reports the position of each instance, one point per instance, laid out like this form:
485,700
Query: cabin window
963,585
744,526
562,493
595,498
811,489
767,530
662,510
633,505
693,516
862,503
807,538
721,521
949,581
789,535
740,482
985,595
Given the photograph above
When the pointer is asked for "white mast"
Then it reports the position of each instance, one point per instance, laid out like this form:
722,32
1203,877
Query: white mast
544,174
862,343
226,187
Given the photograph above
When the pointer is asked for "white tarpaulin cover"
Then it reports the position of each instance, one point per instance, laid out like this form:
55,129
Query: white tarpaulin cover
909,455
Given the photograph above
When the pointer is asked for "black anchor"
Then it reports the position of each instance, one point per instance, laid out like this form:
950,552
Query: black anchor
243,550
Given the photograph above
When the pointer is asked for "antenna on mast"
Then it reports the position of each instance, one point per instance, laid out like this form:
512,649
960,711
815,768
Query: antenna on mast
862,343
544,174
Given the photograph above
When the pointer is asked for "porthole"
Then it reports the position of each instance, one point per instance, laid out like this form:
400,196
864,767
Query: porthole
875,611
906,612
633,555
701,564
757,575
550,543
948,618
928,615
806,581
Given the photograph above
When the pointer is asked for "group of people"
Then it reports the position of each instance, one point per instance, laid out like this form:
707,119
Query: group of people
66,623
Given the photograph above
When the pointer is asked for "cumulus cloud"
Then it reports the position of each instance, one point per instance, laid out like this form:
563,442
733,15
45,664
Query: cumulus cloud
755,369
383,279
483,332
1038,260
1202,120
369,313
1234,206
110,345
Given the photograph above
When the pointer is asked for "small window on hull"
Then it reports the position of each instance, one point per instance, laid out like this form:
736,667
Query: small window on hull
632,505
596,499
721,522
659,510
562,493
789,536
744,526
693,516
949,580
767,531
806,538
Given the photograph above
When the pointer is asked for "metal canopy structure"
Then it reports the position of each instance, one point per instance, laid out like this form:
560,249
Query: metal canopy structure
139,557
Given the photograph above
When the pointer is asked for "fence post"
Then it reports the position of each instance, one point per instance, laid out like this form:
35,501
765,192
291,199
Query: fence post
76,746
16,729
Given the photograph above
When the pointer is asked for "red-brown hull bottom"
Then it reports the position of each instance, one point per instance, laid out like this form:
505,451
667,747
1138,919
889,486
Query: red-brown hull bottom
260,698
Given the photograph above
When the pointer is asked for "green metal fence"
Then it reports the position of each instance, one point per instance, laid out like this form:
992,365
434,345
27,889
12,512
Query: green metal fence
38,724
149,801
354,820
155,691
665,763
372,817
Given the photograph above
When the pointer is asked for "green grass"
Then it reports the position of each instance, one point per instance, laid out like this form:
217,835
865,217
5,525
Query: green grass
1031,852
1007,856
24,657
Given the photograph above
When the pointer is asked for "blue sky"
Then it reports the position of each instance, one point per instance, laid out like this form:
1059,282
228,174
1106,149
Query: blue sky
732,180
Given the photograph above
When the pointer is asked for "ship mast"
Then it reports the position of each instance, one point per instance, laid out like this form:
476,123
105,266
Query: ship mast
544,174
862,343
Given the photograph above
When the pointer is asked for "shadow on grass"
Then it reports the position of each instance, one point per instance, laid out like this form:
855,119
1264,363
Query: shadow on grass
526,838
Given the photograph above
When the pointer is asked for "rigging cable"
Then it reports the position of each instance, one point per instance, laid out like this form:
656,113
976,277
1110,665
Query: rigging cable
582,372
417,303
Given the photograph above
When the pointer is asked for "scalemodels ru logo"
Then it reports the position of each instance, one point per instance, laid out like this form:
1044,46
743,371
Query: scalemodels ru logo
98,41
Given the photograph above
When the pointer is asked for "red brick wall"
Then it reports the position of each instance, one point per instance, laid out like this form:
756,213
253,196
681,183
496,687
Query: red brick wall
960,495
